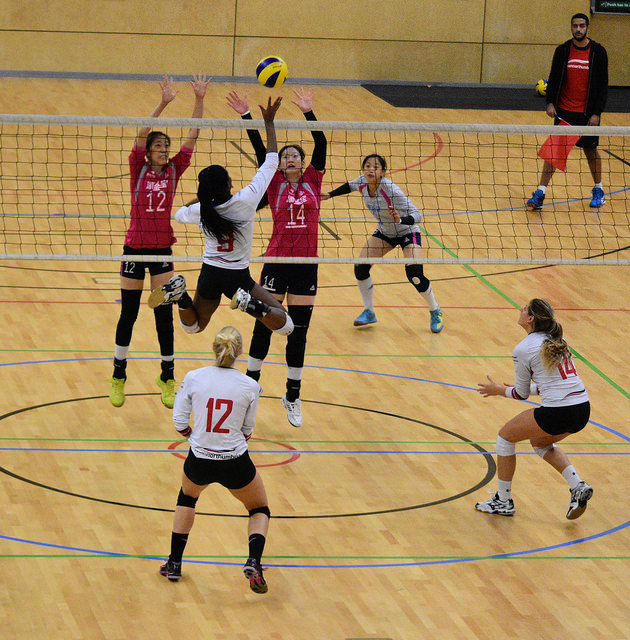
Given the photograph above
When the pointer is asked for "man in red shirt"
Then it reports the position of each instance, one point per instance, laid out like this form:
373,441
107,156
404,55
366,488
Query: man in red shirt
576,94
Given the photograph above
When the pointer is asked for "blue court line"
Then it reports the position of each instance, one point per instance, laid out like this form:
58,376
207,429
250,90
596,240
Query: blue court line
515,554
309,366
303,452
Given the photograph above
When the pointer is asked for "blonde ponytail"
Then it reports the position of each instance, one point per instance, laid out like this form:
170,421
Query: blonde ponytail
227,346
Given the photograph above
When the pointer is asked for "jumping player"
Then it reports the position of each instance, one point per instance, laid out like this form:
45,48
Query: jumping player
154,178
294,197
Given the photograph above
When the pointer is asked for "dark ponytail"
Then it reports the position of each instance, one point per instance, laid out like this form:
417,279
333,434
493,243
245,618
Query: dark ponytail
214,189
554,349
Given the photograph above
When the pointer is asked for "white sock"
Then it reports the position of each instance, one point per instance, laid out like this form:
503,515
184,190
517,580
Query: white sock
430,298
505,489
120,353
254,364
599,185
542,188
366,287
571,476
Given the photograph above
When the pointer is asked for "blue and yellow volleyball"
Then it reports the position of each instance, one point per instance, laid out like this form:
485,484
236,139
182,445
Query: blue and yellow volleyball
272,71
541,87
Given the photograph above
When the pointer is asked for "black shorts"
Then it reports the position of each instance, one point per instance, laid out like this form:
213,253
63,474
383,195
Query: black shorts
557,420
135,270
578,120
232,474
402,241
298,279
214,281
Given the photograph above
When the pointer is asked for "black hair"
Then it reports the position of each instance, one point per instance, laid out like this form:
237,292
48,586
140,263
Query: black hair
292,146
377,157
581,16
214,189
151,139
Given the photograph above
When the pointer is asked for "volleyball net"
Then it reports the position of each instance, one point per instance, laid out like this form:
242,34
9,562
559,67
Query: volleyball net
65,189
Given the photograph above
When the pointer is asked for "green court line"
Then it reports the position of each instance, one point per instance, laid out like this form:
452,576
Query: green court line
483,279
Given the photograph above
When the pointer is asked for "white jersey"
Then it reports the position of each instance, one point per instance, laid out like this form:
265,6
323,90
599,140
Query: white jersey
240,208
223,402
388,194
558,387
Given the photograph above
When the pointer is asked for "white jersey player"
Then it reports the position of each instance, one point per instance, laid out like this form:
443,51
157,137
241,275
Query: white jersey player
542,363
223,401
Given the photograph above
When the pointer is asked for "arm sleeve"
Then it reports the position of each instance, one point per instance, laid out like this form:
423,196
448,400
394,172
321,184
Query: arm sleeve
318,159
555,73
250,417
255,190
257,142
182,408
343,190
522,374
189,215
404,206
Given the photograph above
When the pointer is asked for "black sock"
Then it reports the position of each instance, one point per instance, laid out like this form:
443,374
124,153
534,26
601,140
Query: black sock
120,369
293,389
178,544
168,370
254,375
256,546
185,302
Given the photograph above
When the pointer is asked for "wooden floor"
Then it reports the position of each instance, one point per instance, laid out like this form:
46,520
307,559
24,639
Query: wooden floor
374,533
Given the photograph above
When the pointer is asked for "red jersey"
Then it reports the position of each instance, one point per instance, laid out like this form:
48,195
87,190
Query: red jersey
152,196
295,214
575,88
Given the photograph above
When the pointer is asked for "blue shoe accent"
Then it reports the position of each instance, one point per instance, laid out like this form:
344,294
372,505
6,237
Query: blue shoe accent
437,321
367,317
536,201
598,197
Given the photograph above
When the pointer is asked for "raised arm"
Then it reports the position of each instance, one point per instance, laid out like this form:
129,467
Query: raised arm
241,106
268,114
305,103
199,85
168,95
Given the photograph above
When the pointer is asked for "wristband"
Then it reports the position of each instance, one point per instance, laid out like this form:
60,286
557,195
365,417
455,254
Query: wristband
508,392
408,219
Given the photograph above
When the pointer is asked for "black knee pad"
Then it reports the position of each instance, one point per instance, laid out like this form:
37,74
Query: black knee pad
415,275
130,305
296,341
261,339
186,501
264,510
362,271
164,327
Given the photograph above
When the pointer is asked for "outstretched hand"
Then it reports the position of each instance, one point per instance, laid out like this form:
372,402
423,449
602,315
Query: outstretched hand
238,103
168,89
269,112
491,388
304,99
200,84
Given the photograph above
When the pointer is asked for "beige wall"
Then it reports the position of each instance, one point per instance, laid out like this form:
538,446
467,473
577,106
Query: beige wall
492,41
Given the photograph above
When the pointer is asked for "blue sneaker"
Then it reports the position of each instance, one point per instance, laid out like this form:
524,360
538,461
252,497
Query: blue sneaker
598,197
367,317
536,201
437,321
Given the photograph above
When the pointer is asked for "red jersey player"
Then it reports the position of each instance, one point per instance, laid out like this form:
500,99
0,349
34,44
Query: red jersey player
294,197
154,178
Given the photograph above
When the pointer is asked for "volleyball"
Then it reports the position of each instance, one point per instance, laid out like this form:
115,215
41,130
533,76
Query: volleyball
272,71
541,87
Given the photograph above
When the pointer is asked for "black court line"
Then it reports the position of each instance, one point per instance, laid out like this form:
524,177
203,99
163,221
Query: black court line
487,456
